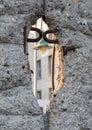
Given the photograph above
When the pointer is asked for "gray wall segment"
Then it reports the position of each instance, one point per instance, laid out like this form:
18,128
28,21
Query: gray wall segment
14,15
66,14
18,107
71,109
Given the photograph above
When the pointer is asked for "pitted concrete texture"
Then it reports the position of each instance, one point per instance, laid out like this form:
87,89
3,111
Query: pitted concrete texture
71,109
13,16
19,109
66,14
20,122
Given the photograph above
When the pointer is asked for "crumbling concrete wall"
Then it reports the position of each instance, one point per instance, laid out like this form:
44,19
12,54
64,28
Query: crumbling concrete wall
72,23
71,109
19,109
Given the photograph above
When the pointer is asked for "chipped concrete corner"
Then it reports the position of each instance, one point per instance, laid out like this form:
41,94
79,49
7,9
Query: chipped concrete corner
71,109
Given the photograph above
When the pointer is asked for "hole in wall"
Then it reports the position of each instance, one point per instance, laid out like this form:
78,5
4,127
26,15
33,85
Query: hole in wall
44,77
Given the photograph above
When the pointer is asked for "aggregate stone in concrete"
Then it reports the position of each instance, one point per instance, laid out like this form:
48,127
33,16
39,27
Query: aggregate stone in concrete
71,109
19,109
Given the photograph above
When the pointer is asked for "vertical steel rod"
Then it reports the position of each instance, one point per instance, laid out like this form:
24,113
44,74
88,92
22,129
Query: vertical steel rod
53,57
25,37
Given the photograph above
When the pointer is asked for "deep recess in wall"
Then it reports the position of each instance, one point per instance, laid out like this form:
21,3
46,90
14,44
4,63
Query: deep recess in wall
45,67
44,74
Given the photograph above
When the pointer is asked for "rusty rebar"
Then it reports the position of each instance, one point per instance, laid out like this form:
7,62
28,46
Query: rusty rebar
49,40
53,60
66,49
36,39
25,37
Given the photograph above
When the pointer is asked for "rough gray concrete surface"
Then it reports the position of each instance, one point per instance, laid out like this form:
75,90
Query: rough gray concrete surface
19,109
71,109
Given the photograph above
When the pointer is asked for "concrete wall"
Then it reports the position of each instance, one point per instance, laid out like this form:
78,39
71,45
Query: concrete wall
19,109
71,109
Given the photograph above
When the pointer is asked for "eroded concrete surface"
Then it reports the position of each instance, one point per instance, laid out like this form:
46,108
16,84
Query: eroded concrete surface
19,109
71,109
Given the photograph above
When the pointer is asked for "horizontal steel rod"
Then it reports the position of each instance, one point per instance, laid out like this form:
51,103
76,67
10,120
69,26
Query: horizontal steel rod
42,35
36,39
